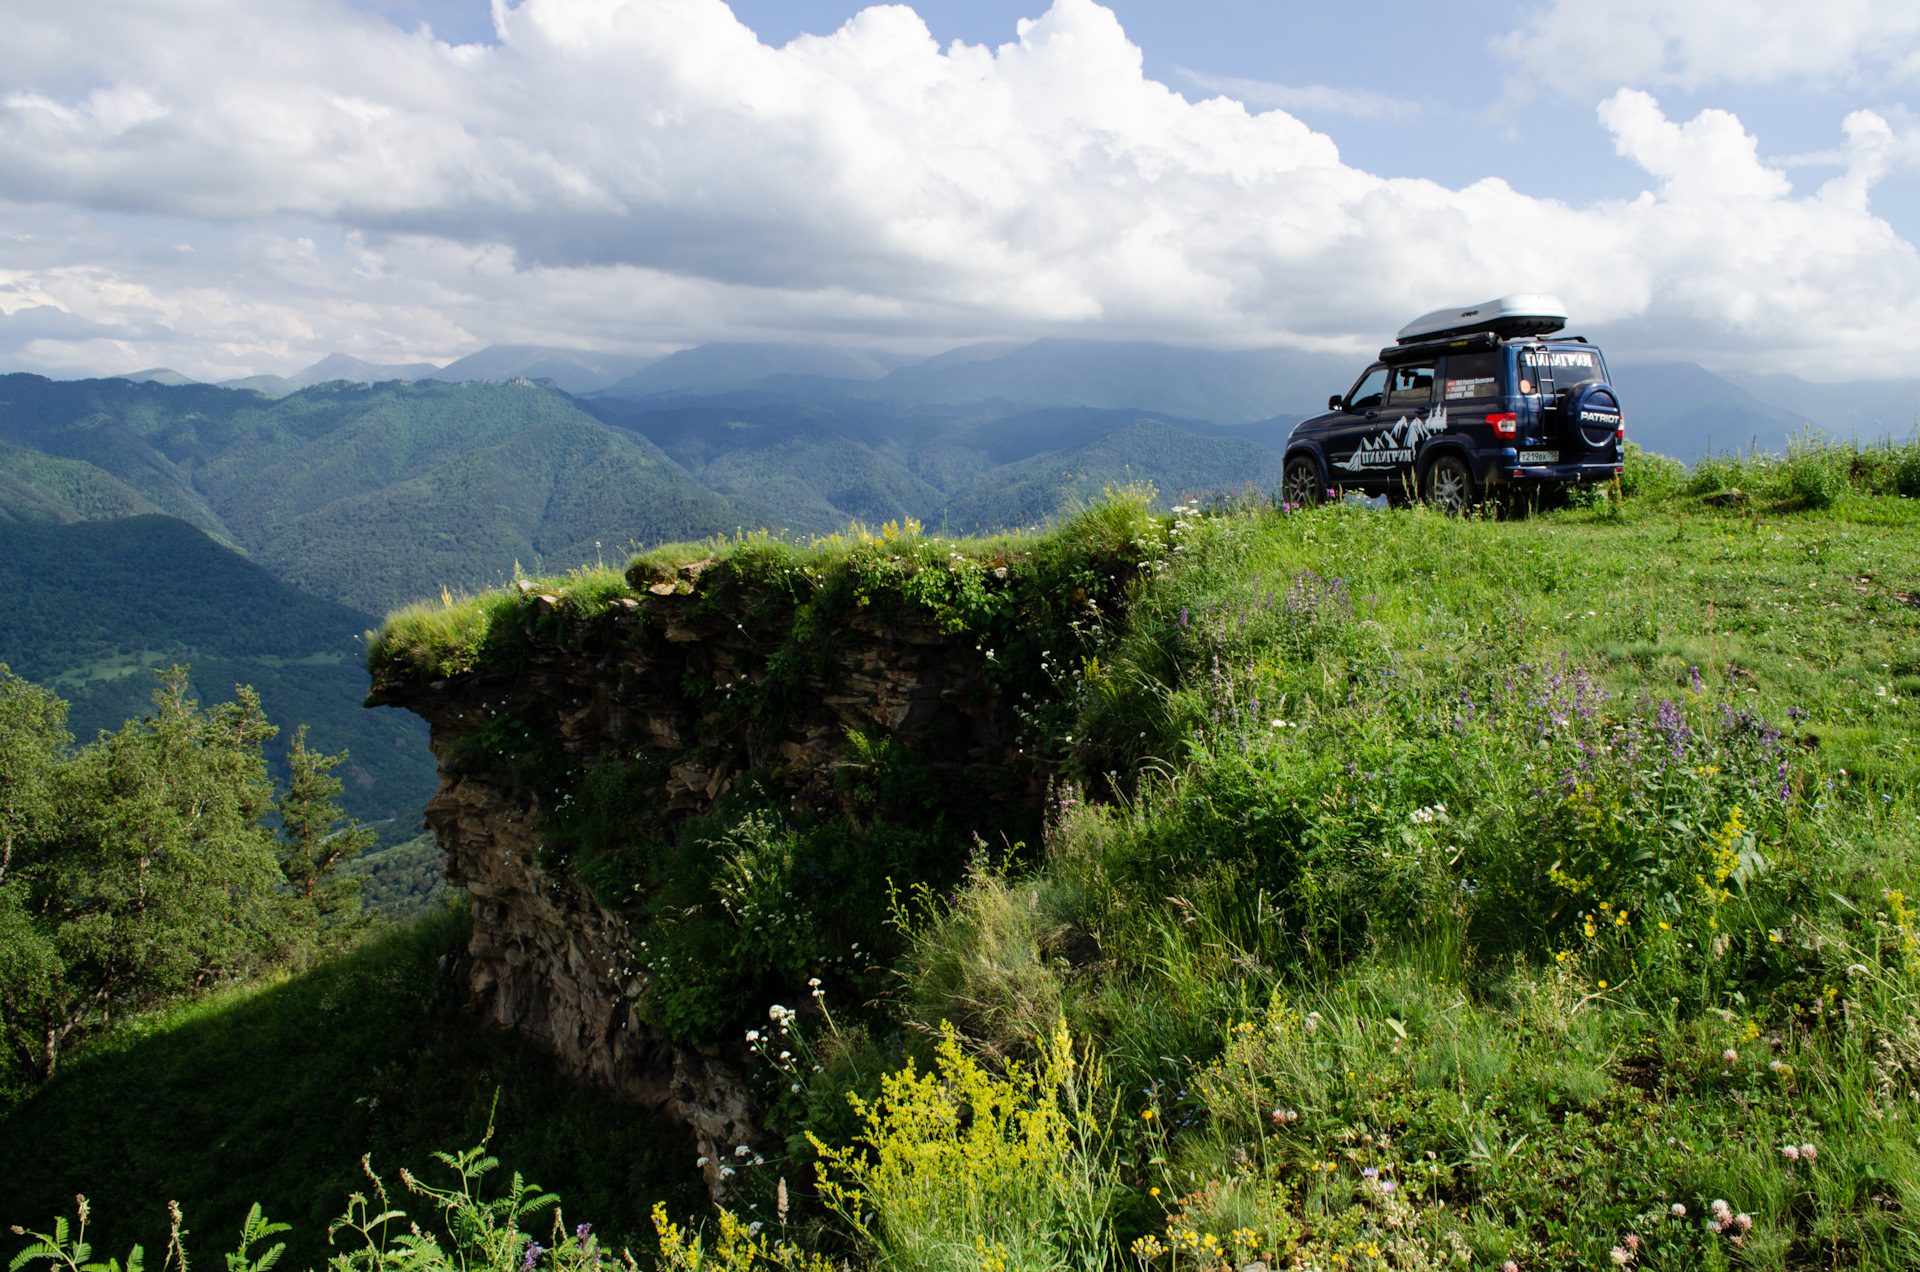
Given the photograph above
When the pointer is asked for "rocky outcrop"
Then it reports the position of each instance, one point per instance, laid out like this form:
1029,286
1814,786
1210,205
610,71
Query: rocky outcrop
660,679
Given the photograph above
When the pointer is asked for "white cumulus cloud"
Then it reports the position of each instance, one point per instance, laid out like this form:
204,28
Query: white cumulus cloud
243,187
1578,45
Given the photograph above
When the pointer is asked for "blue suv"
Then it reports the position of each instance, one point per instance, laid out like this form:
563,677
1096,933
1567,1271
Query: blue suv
1468,400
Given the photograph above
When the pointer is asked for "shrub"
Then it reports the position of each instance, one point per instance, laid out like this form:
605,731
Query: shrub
958,1168
1816,471
1649,475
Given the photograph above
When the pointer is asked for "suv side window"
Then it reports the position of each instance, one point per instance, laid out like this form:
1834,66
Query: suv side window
1411,386
1471,377
1370,393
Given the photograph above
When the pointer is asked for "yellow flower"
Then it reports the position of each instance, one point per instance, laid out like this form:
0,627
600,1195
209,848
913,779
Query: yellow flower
1147,1116
1153,1192
1603,984
1665,928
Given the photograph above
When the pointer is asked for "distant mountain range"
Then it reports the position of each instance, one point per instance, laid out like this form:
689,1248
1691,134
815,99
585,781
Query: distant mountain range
1679,409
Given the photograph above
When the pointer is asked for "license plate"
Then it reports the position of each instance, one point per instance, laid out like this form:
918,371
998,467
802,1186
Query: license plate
1539,457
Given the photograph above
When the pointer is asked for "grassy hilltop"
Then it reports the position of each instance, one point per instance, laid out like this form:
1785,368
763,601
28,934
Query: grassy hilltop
1416,893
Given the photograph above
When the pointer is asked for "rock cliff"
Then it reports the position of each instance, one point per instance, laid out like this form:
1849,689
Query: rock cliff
660,679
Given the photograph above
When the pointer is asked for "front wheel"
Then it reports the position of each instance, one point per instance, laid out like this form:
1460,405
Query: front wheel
1300,482
1449,486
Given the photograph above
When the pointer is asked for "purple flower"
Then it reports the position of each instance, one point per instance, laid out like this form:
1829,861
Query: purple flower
532,1259
580,1233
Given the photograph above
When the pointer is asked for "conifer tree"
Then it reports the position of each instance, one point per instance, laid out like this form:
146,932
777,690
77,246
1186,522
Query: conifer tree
313,843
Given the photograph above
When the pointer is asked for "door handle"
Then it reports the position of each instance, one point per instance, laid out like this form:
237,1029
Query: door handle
1373,415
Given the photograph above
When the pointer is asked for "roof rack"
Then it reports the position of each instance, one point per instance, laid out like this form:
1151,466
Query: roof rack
1524,314
1475,343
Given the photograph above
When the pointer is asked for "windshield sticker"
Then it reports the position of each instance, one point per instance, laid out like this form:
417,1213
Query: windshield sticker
1476,388
1395,445
1556,358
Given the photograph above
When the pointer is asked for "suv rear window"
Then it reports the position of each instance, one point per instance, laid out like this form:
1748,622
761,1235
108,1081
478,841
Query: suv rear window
1558,369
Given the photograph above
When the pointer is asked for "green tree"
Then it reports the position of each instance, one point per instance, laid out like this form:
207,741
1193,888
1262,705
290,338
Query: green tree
157,879
33,740
314,844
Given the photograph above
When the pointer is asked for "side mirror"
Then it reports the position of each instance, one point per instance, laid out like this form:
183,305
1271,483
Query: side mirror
1333,403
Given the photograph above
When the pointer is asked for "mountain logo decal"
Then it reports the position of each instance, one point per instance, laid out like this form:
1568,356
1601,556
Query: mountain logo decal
1395,445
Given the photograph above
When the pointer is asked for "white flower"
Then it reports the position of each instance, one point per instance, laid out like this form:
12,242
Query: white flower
741,1151
699,1161
796,1088
1791,1153
1808,1152
753,1035
1620,1256
1730,1055
1743,1221
1677,1210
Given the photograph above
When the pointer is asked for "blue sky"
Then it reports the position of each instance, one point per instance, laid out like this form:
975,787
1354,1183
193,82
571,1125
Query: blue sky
232,188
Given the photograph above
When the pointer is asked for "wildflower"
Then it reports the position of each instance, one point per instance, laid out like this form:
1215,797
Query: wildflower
741,1151
1509,1266
1632,1241
796,1088
1621,1256
1730,1055
1721,1210
1146,1115
1370,1172
753,1229
753,1035
1808,1152
700,1161
1791,1152
1603,984
1713,1225
1743,1221
1677,1210
1153,1192
534,1251
582,1231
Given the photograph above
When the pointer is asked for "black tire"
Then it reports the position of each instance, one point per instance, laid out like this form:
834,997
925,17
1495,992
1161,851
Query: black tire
1449,486
1300,482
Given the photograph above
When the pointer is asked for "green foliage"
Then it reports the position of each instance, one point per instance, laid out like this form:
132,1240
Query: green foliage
961,1167
404,881
315,845
1646,474
272,1092
140,868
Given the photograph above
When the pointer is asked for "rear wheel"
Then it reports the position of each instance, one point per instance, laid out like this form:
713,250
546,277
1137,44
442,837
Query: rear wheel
1300,482
1449,486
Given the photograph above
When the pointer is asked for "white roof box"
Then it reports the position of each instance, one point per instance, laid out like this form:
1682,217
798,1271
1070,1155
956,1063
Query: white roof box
1520,315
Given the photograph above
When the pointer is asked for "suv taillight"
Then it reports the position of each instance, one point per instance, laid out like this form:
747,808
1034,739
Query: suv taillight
1505,423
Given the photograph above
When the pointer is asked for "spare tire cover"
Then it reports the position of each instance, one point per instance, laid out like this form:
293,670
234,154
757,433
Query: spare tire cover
1594,412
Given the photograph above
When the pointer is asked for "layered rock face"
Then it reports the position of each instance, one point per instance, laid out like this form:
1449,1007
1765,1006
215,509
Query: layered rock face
649,680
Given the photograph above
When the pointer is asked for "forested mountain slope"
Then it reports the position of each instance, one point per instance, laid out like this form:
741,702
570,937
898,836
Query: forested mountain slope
372,495
94,608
